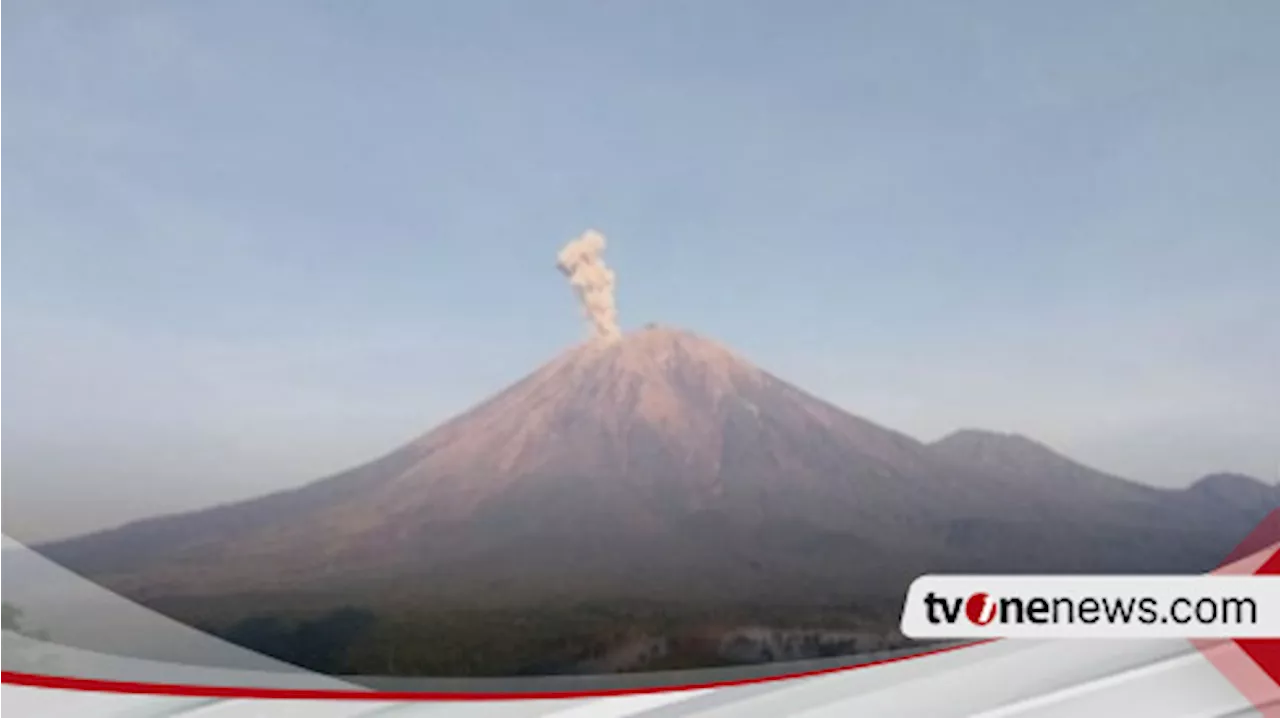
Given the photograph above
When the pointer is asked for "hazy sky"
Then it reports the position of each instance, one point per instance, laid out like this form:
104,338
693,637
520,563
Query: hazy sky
254,243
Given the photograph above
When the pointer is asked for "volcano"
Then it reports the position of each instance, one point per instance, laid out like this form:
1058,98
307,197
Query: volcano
662,466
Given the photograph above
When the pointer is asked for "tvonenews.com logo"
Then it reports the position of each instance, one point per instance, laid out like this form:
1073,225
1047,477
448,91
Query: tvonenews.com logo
1093,607
982,609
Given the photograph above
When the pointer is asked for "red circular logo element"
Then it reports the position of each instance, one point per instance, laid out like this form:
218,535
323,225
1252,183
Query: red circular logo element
980,609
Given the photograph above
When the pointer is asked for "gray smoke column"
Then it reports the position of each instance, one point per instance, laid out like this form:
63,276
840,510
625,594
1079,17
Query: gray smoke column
582,261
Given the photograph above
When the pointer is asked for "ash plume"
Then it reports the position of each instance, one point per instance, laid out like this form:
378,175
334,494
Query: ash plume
582,261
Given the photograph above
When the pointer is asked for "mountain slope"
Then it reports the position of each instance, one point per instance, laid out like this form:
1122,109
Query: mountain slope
1231,498
664,447
1064,516
661,466
1022,466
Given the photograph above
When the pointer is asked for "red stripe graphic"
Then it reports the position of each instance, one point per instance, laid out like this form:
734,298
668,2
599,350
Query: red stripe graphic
1252,665
1266,651
197,691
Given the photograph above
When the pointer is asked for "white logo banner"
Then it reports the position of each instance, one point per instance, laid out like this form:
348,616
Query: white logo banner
1093,607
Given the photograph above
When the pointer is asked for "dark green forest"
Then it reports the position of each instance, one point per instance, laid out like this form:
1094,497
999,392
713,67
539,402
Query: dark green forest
585,638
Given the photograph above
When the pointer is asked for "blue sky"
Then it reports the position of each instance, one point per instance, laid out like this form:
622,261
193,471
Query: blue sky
254,243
